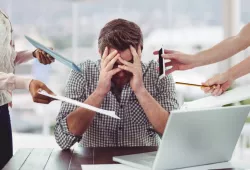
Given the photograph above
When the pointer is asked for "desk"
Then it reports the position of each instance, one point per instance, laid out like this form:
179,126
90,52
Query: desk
56,159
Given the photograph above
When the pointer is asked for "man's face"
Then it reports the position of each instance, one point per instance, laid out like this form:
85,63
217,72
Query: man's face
122,77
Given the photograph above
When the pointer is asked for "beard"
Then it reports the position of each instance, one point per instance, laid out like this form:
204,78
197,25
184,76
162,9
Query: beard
121,78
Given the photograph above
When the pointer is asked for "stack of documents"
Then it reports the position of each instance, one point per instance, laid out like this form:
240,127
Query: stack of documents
231,96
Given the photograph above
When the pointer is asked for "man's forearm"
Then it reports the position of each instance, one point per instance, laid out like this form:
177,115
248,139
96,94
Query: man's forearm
79,120
226,48
240,69
156,114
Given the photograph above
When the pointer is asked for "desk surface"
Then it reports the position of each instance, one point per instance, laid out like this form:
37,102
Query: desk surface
56,159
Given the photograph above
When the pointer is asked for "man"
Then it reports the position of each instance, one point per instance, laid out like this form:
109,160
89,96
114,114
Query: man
118,82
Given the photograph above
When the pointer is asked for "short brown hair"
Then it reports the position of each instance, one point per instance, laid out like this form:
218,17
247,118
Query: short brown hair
119,34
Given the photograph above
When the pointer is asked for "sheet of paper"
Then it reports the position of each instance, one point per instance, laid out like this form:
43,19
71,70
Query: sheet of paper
232,96
231,164
86,106
107,167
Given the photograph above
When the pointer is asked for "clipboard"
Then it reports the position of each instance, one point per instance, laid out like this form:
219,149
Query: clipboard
55,55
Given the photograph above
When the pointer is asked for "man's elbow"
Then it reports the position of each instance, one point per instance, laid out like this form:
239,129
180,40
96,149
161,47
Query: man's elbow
63,140
64,147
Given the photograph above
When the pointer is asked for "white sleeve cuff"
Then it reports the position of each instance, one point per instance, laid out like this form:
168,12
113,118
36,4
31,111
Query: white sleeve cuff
22,82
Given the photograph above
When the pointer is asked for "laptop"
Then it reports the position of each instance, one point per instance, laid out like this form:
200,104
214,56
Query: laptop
194,138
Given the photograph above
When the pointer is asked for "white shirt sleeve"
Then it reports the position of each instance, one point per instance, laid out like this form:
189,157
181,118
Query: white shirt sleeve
11,82
23,56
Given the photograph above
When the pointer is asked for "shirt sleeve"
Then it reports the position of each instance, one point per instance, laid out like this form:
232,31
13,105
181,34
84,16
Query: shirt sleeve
75,89
11,82
167,97
23,56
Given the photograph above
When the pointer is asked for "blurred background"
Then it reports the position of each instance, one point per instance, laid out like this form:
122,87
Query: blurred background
71,27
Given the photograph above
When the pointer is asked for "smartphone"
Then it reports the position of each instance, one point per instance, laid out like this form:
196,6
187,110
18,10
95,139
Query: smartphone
161,64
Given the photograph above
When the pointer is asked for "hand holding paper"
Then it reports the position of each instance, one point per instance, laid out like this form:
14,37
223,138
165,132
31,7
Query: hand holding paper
86,106
34,87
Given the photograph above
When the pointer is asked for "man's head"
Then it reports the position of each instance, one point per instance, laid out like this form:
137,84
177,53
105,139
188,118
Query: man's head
119,34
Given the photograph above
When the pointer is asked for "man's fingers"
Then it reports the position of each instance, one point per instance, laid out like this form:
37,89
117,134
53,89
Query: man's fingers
105,53
125,62
139,51
114,71
110,65
129,69
109,58
134,54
